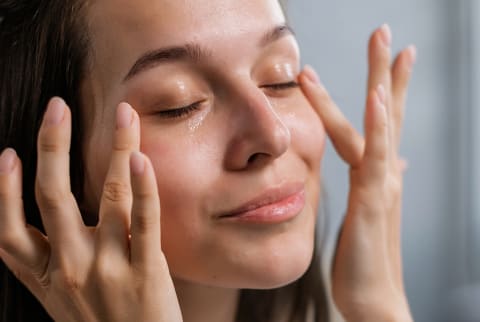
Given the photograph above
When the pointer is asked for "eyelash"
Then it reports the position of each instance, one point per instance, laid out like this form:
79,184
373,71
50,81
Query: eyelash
281,86
186,110
181,111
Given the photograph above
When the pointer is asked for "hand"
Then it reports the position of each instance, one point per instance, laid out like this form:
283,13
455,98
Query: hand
82,273
367,268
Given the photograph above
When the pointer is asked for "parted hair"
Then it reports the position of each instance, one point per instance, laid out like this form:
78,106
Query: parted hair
44,50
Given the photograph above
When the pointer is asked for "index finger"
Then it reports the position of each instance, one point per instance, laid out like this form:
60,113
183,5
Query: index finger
347,141
116,202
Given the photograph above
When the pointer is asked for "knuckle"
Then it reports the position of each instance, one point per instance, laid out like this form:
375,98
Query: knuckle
143,223
50,198
67,281
116,190
142,195
48,144
108,273
123,141
121,145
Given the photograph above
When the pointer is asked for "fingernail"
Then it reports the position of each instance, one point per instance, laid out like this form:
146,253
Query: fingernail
7,161
137,163
124,116
386,34
413,54
381,94
55,111
311,74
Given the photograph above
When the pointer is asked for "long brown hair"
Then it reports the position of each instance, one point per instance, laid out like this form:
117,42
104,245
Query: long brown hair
43,53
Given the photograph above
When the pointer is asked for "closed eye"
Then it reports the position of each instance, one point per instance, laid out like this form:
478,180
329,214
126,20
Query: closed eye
280,86
186,110
181,111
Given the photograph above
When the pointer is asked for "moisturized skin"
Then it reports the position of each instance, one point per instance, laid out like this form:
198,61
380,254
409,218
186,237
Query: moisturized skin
232,133
235,146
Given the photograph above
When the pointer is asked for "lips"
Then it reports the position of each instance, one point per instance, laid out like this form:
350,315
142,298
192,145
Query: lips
271,206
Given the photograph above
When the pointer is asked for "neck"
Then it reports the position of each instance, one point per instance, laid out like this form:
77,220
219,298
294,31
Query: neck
201,303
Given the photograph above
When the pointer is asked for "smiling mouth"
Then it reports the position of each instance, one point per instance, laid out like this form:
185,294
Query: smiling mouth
273,206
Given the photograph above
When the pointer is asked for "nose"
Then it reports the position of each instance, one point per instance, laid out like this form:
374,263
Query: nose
258,134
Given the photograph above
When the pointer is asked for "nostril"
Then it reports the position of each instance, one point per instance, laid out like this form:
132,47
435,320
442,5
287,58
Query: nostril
253,157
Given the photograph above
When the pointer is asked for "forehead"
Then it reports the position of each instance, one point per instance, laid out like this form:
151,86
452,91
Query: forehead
181,14
170,21
121,30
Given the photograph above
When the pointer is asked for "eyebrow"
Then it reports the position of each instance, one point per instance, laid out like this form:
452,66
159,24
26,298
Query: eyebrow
194,52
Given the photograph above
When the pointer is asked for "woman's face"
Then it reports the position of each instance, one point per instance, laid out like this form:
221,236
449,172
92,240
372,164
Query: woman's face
224,125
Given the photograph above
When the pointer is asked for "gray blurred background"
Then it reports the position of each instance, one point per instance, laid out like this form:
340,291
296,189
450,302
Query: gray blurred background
441,222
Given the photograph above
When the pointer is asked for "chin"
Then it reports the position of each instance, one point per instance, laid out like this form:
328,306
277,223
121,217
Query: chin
277,269
248,258
282,259
274,264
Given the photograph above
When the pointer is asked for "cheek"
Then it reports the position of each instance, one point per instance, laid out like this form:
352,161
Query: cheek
181,166
184,167
307,132
308,138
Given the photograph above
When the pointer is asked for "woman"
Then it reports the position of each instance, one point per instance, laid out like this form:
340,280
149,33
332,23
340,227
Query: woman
231,132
